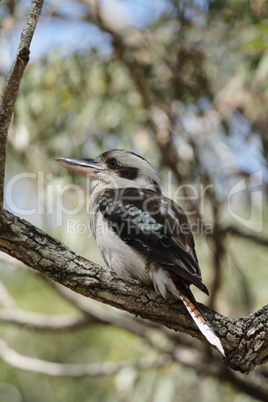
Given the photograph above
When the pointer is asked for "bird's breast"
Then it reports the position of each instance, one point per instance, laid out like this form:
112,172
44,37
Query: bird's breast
122,258
119,256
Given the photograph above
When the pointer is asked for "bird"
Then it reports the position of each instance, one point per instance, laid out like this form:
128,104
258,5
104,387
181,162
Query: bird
140,233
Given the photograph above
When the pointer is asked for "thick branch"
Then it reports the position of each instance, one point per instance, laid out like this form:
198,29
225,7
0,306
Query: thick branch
244,340
12,85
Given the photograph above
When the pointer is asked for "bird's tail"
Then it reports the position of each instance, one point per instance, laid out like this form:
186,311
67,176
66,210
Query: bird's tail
202,324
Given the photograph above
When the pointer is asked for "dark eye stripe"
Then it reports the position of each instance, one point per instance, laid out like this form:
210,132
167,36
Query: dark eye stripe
130,173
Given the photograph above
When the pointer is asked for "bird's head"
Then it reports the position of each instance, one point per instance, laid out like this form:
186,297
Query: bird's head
115,169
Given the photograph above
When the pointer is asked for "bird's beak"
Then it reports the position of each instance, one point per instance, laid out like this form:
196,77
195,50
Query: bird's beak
80,166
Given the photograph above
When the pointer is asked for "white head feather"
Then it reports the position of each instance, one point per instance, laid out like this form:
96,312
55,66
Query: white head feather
132,171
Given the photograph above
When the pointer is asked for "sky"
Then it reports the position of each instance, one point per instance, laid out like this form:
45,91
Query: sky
71,33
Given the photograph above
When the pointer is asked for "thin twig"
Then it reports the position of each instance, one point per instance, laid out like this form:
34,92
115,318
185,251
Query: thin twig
6,300
42,322
17,360
232,230
191,359
12,85
101,315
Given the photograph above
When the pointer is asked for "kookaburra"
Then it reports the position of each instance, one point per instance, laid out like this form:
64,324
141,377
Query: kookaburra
140,233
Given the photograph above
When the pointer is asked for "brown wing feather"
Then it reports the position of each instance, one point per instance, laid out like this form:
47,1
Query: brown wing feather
156,227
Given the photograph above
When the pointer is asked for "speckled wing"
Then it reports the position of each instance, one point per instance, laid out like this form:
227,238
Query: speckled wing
156,227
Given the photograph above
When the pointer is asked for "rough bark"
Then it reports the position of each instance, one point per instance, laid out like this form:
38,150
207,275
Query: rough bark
245,340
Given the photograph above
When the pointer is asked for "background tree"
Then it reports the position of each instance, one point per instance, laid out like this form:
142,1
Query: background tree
183,83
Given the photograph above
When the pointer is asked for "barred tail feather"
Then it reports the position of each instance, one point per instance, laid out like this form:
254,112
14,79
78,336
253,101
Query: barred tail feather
202,324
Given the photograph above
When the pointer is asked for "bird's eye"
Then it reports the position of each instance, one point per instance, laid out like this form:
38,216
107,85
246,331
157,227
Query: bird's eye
113,164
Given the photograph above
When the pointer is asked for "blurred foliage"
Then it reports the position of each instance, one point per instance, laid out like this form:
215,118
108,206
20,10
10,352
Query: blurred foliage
188,91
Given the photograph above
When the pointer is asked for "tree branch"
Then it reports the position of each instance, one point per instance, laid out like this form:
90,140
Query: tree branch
42,322
244,340
6,300
208,366
192,360
17,360
262,241
102,316
12,85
